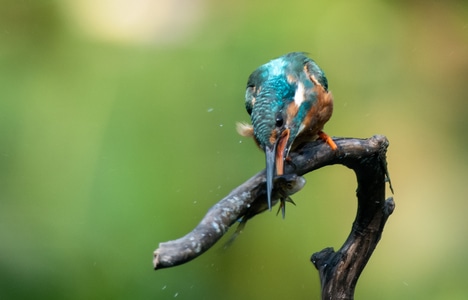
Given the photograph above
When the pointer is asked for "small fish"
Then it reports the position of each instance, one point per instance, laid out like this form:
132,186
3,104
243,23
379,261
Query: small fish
284,187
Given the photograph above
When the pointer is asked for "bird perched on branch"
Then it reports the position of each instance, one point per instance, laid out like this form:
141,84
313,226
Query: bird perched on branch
289,103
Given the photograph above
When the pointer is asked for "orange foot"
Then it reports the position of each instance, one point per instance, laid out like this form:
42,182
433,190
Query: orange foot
322,135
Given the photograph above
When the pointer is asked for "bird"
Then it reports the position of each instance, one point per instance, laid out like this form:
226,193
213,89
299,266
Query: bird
289,103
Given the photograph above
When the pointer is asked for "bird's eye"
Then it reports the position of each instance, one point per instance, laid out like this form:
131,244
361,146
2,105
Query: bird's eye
279,120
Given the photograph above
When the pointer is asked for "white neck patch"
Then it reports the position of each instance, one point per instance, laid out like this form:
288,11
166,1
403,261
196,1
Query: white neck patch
299,96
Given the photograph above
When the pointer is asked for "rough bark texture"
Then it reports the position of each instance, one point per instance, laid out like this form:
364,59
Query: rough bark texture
339,271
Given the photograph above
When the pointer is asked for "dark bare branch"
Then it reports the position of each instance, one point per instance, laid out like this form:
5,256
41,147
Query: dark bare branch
339,271
247,200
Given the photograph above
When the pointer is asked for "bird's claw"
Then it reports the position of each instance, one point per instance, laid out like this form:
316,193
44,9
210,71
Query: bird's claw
327,139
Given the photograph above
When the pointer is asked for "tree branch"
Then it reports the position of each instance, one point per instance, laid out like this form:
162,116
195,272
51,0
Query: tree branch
339,271
246,201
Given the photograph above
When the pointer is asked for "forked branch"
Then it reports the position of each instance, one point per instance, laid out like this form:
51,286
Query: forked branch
339,271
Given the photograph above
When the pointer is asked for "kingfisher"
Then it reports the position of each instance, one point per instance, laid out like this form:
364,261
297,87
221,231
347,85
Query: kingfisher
289,103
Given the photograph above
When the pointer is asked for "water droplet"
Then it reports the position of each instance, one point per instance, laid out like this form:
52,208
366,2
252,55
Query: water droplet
210,109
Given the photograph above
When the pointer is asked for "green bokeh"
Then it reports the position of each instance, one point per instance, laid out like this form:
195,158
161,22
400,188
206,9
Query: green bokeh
108,148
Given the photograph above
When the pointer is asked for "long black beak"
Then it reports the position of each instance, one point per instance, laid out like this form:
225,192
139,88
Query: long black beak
270,152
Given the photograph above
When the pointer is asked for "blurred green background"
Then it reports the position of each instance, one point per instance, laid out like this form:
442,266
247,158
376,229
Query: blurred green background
117,132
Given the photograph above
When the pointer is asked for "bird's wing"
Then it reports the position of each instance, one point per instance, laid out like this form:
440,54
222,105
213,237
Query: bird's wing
314,70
